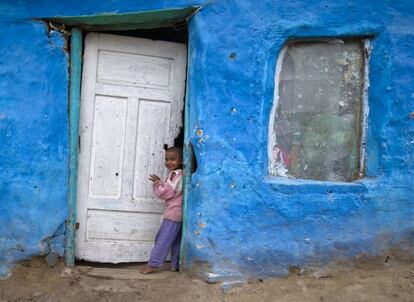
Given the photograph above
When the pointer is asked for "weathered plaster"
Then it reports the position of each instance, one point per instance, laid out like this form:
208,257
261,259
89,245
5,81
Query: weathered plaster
33,131
239,221
242,222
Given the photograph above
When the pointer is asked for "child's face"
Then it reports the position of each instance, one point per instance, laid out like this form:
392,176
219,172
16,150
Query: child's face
172,160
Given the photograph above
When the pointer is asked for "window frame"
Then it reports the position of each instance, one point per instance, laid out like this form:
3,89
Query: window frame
366,46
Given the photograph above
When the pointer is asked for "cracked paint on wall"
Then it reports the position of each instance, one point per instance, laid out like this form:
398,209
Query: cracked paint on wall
240,221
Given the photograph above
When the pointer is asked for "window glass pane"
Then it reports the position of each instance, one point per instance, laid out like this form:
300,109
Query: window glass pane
318,115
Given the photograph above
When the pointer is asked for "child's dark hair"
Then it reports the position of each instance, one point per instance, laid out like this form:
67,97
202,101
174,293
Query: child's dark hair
177,150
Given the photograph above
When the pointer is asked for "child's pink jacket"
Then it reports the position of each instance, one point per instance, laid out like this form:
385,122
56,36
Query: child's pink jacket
171,192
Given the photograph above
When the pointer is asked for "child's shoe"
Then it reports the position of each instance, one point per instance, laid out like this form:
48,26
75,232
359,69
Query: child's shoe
173,269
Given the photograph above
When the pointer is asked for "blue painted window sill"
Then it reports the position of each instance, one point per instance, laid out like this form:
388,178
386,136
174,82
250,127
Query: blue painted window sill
291,186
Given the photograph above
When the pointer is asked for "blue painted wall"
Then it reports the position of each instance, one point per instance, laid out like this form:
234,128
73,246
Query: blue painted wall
239,221
33,142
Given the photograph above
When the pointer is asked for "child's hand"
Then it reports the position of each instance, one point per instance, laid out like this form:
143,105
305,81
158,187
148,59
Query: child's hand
154,177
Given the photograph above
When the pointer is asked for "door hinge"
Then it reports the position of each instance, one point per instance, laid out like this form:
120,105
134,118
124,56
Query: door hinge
77,226
79,143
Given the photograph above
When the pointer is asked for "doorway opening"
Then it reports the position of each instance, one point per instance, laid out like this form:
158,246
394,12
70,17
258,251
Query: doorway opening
132,92
177,33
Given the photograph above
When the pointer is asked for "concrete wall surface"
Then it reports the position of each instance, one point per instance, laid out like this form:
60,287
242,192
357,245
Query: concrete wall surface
240,222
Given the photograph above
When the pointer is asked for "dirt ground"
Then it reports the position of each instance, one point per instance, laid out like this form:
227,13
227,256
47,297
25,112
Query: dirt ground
374,281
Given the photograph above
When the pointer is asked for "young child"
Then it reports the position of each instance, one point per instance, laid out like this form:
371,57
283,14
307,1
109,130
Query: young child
169,235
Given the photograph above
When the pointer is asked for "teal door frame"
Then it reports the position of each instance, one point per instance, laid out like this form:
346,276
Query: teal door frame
74,113
140,20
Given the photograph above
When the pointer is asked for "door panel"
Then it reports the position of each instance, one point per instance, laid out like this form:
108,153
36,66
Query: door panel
108,140
150,141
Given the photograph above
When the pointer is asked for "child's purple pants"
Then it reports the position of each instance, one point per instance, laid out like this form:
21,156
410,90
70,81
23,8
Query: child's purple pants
168,238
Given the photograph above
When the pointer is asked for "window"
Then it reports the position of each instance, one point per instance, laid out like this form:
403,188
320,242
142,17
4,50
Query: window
316,125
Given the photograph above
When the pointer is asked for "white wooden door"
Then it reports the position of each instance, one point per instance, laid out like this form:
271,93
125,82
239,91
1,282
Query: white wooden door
131,103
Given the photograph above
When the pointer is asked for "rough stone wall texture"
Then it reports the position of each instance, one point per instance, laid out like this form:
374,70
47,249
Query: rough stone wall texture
239,221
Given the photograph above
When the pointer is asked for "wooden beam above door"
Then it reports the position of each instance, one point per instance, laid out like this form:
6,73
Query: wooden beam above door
127,21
